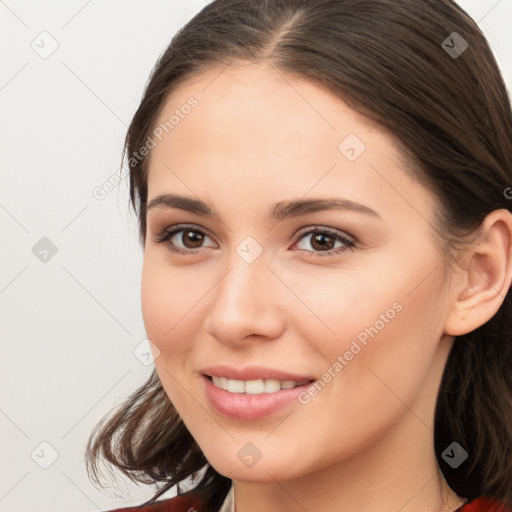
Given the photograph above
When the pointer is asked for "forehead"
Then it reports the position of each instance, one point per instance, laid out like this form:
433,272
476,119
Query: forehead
255,129
256,103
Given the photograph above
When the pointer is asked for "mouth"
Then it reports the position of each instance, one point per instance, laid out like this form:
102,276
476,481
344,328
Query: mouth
255,399
255,386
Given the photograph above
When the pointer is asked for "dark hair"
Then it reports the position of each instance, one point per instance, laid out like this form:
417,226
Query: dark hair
394,61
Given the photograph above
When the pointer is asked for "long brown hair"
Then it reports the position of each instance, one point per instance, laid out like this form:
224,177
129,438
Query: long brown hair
400,63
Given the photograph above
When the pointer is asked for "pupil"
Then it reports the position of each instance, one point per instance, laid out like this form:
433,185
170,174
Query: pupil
321,239
192,237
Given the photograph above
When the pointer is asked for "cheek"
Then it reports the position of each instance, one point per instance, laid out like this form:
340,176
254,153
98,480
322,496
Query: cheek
397,355
164,302
397,293
173,309
162,309
167,295
154,302
384,324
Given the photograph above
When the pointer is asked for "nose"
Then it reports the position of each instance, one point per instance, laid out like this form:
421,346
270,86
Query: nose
247,302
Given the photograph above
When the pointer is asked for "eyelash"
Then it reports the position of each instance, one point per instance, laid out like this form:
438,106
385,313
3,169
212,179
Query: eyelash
166,235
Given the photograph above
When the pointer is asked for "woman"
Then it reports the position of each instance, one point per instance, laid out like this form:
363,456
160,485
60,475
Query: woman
323,191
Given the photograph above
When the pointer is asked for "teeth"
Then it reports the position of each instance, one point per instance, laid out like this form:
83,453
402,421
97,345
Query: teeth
255,387
235,386
272,385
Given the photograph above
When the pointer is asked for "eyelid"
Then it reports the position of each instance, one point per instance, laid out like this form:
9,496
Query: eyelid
335,232
348,241
168,232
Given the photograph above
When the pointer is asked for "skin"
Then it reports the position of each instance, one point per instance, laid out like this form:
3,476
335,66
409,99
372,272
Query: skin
258,137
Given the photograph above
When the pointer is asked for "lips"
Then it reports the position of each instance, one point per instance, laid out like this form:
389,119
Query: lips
254,373
250,407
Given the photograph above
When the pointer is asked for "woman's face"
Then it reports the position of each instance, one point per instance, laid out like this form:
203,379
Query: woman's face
311,257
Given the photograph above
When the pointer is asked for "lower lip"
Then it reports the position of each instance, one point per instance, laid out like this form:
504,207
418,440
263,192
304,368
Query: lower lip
243,406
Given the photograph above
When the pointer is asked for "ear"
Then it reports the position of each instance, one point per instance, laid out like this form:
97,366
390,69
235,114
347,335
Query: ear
484,277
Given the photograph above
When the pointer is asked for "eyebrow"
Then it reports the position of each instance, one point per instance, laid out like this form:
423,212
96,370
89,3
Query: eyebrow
279,211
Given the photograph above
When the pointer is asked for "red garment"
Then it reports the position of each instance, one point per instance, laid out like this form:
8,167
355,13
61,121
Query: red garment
191,503
187,503
483,505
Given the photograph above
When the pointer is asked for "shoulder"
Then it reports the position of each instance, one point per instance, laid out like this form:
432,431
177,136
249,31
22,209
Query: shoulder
484,504
184,503
192,503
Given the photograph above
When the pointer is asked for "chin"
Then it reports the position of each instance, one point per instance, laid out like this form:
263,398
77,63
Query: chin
259,473
267,469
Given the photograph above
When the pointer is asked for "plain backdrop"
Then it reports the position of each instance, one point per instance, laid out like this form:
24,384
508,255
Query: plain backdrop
72,74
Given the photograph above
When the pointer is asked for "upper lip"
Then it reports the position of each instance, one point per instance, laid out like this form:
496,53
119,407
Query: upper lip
252,373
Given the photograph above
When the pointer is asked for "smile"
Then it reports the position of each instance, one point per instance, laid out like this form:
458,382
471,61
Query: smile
255,387
252,400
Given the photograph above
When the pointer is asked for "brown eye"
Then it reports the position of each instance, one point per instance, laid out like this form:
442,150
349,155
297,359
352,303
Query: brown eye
183,239
192,239
322,241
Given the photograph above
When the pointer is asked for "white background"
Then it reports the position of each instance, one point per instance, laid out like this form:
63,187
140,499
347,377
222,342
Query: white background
70,324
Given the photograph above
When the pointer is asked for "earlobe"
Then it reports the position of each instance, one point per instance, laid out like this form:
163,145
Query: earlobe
485,276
